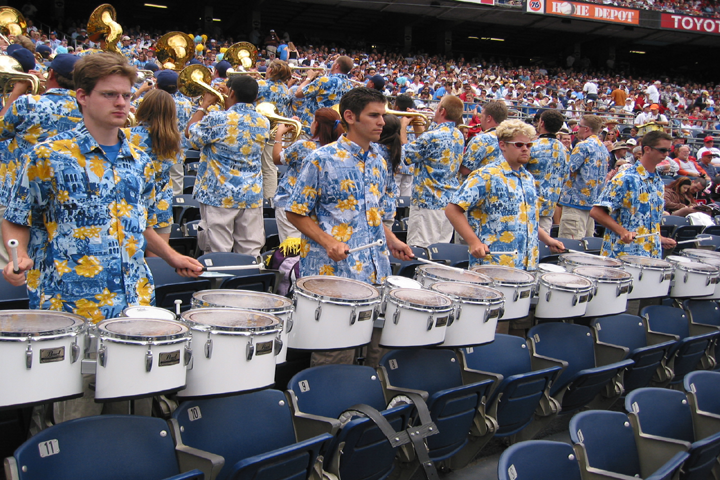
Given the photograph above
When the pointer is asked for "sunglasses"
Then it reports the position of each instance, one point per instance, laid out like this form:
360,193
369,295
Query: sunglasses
521,144
664,151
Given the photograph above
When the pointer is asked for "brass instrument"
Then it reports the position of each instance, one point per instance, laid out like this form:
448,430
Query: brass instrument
322,69
241,54
11,71
418,118
268,109
102,25
194,81
174,50
231,73
12,22
144,75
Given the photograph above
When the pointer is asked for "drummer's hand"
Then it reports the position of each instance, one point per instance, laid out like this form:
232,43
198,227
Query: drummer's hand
665,241
186,266
478,249
627,236
336,250
17,279
556,246
400,250
209,99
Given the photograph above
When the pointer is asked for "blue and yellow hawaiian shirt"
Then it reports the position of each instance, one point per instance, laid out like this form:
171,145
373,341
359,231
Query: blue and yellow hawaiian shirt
324,91
549,165
482,150
31,120
231,144
185,110
635,200
87,216
588,168
140,137
436,155
501,206
89,51
347,192
384,151
293,156
276,93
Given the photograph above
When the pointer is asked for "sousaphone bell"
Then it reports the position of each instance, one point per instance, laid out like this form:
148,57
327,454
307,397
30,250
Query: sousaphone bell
102,25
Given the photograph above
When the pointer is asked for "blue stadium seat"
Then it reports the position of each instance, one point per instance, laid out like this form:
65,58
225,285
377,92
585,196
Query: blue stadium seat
406,268
683,233
605,447
185,209
272,240
253,435
573,244
545,255
454,254
106,446
188,184
11,297
169,286
252,279
712,230
593,245
703,391
181,243
539,460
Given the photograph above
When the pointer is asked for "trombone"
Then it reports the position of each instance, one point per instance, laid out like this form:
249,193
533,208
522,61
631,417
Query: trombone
194,81
418,118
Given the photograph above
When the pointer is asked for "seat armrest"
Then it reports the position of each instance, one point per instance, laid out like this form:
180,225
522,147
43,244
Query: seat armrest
470,376
653,338
606,353
672,466
190,458
11,470
653,451
391,391
308,425
702,328
191,475
592,473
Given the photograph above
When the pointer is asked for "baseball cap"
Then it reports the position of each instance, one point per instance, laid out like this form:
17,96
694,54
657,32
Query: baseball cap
708,139
152,66
25,57
654,106
631,141
378,81
63,64
222,67
166,78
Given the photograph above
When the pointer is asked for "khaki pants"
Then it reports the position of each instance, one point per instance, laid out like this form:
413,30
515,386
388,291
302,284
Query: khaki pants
177,177
374,351
404,184
333,357
426,227
231,230
546,224
576,224
285,228
269,171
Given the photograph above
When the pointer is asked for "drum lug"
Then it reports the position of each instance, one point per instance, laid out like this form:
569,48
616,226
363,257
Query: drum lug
396,316
640,275
618,289
708,280
289,323
102,355
277,346
574,300
249,350
149,359
516,295
188,355
430,323
487,315
353,316
548,295
685,278
74,351
458,312
318,312
28,356
208,347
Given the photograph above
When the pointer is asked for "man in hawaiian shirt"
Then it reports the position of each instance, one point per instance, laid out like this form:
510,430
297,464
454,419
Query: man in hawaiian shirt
483,148
229,180
549,165
436,156
588,168
632,204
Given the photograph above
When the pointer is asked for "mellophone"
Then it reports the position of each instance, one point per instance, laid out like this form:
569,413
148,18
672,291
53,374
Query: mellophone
231,340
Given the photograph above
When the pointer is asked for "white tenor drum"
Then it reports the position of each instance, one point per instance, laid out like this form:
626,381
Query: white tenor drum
715,262
477,310
137,357
651,276
234,350
332,313
611,289
139,311
692,279
572,260
430,274
699,253
415,318
40,354
517,286
264,302
395,281
563,295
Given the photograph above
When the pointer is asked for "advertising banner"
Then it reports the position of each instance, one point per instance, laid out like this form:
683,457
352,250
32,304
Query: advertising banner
687,23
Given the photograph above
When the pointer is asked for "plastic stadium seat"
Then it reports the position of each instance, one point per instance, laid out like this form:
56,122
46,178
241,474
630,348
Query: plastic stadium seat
169,286
272,240
188,184
181,243
539,460
399,228
253,434
686,232
185,209
674,220
438,375
359,450
712,230
703,391
646,349
101,447
192,155
252,279
663,426
406,268
545,255
703,312
11,297
573,244
455,254
605,447
402,206
593,245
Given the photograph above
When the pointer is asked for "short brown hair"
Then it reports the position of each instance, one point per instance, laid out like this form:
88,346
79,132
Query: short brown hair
594,122
498,111
345,64
651,139
90,69
453,108
280,71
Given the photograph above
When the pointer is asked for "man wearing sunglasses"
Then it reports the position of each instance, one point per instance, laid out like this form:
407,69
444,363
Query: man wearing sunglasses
632,204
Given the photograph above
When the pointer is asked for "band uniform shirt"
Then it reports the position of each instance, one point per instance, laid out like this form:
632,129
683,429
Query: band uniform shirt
405,168
634,198
436,155
276,93
87,216
483,149
184,109
394,191
501,206
347,192
140,137
588,168
231,144
549,166
293,157
324,91
31,120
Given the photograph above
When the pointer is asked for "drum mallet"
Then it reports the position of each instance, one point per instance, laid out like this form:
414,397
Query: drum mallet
225,268
379,243
698,239
13,244
430,262
511,252
646,235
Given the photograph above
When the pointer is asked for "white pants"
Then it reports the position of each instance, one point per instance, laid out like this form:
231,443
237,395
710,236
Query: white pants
231,229
546,224
177,176
576,224
269,172
285,228
426,227
404,184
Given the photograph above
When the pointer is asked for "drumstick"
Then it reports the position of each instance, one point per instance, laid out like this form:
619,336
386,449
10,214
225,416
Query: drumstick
430,262
233,267
13,244
698,239
379,243
512,252
647,235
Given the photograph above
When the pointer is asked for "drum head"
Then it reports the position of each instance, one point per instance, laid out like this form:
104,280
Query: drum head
590,260
396,281
148,312
142,329
550,267
566,280
698,267
505,274
242,299
424,298
466,291
700,252
709,260
647,262
455,275
337,287
231,319
24,323
603,273
677,259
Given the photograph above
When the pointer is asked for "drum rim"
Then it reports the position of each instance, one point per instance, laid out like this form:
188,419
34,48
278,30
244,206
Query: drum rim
419,307
561,288
106,334
228,330
564,257
628,278
422,271
385,285
174,317
287,307
668,266
700,252
689,268
80,327
474,301
303,292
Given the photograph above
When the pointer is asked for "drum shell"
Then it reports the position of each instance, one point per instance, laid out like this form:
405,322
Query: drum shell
567,302
406,283
123,373
284,314
692,284
518,295
715,262
148,312
406,325
610,296
648,282
48,378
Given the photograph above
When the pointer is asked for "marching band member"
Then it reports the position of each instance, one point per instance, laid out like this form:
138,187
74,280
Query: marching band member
483,148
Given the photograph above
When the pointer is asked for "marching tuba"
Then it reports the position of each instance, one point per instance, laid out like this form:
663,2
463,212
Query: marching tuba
102,25
194,81
241,54
174,50
268,110
12,23
11,71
